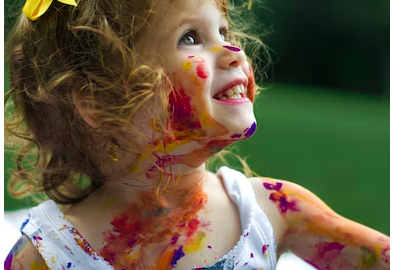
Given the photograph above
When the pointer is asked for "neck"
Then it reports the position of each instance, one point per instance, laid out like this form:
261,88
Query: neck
174,174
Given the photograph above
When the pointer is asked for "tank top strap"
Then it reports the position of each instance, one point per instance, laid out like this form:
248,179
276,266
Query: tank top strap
240,191
58,242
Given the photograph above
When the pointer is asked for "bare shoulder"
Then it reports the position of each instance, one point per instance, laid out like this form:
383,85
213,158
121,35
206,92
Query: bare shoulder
280,200
24,255
262,197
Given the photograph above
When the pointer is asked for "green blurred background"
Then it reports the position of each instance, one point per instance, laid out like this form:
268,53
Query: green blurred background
323,121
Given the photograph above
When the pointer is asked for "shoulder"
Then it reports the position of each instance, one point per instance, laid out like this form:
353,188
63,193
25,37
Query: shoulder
24,255
262,197
285,204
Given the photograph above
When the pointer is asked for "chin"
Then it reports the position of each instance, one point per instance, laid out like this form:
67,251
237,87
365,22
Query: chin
240,128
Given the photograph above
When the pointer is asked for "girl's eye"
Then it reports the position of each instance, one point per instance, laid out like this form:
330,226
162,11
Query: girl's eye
224,33
189,38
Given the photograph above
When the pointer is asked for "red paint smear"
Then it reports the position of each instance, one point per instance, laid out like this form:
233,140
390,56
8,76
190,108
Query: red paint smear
182,113
315,265
328,251
131,228
264,248
201,71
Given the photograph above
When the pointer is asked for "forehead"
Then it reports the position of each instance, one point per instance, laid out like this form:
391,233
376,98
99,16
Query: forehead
173,13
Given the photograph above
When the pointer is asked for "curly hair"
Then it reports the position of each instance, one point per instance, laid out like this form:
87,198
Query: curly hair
88,52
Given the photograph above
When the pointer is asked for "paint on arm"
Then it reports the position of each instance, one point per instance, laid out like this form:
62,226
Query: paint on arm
320,236
24,256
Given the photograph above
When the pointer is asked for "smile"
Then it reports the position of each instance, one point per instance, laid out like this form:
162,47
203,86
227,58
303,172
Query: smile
236,92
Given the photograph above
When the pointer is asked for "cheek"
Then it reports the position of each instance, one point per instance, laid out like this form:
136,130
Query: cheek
202,71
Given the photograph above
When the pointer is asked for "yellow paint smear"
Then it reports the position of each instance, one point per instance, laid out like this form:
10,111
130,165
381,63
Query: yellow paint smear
38,266
187,65
216,49
196,244
110,201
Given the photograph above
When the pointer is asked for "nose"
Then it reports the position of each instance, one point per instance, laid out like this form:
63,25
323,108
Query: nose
231,56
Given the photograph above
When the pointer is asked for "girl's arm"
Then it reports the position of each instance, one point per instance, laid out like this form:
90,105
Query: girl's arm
24,256
311,230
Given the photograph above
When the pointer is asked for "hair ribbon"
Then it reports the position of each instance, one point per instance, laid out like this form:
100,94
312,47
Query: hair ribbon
33,9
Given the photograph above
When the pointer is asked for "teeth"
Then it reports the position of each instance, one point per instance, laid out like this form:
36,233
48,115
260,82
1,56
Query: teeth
235,92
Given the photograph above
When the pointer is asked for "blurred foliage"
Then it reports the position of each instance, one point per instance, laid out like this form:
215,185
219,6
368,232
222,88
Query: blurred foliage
337,44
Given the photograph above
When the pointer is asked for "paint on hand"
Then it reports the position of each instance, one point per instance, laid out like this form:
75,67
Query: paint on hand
232,48
280,198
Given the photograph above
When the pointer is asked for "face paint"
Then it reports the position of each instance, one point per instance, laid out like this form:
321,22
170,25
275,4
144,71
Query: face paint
201,72
250,131
215,49
232,48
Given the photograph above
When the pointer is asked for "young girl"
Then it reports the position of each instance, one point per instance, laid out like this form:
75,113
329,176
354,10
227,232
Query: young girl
123,102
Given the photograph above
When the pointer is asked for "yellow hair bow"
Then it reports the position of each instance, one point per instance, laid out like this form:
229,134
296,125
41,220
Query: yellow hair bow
33,9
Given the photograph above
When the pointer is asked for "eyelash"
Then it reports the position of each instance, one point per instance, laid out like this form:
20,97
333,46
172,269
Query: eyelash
194,33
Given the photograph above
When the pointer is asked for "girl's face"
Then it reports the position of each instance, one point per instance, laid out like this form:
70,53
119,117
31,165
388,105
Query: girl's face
213,83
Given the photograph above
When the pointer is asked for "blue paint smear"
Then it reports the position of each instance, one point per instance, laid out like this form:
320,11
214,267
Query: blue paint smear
177,255
251,130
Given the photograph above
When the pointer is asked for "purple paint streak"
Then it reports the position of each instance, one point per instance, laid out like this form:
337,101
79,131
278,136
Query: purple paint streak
174,239
284,205
251,130
269,186
8,262
177,255
236,135
232,48
251,255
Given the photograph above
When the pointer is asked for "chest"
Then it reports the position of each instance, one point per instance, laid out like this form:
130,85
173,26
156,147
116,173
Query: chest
202,239
223,234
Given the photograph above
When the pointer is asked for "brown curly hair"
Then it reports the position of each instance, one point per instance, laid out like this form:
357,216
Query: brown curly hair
87,52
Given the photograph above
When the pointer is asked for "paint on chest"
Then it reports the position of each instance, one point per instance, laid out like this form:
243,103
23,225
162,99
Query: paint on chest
150,233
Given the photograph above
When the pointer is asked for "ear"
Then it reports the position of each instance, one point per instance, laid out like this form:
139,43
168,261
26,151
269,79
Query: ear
84,111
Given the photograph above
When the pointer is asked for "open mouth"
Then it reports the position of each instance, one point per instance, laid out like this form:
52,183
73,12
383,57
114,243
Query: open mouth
236,92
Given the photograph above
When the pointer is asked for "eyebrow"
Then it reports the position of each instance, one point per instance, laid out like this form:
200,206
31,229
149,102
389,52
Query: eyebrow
193,19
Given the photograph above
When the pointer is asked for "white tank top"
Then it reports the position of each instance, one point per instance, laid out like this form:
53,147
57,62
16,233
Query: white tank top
62,247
